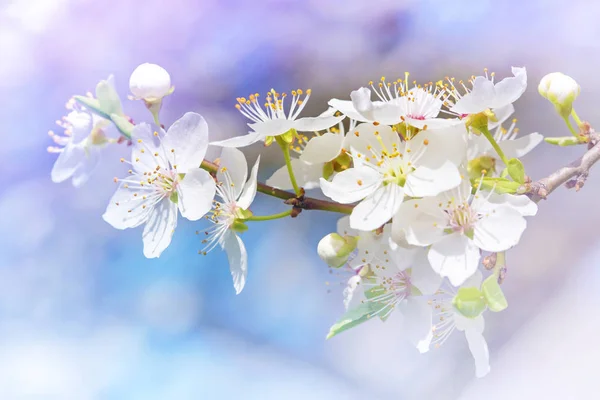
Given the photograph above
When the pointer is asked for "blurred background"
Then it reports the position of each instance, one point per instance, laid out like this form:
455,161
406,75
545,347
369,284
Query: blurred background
83,315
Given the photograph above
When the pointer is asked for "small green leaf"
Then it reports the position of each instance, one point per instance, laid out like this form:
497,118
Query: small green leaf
469,302
516,170
504,173
109,100
563,141
122,124
91,104
354,317
494,297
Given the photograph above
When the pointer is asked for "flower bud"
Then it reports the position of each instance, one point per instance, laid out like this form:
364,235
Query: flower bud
335,249
561,90
150,82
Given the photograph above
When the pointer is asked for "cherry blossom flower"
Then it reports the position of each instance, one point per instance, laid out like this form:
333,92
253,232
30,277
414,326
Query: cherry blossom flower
418,106
386,169
447,318
80,147
485,94
315,154
164,177
458,225
276,118
561,90
235,197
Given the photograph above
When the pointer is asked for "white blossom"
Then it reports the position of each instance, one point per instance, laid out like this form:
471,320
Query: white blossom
235,196
386,169
315,153
150,82
447,318
164,177
276,118
80,146
397,103
458,225
485,94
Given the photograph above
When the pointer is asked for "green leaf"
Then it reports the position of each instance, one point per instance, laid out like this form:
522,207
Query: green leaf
504,173
494,297
109,100
499,185
354,317
469,301
122,124
516,170
91,104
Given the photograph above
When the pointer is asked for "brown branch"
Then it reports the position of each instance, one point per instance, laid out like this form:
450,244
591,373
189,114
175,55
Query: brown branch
573,175
299,203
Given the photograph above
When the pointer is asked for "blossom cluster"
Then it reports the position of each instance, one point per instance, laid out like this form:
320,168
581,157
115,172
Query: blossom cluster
429,174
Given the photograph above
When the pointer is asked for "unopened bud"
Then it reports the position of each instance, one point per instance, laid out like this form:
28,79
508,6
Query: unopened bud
150,82
335,249
561,90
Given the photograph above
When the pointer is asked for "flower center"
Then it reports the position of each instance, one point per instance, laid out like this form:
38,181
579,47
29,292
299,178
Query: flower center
462,219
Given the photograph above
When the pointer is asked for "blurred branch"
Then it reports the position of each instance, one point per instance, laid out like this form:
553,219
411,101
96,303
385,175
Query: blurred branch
299,202
573,175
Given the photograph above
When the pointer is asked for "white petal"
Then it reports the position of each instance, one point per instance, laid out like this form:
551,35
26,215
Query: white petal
307,176
444,144
314,124
502,114
273,127
499,230
417,316
517,148
346,107
249,192
510,89
433,123
364,136
67,162
455,257
188,136
238,259
236,171
352,185
195,194
343,227
88,165
351,297
159,228
479,349
476,101
425,181
81,125
474,281
420,222
423,276
145,146
240,141
324,148
486,202
377,208
361,100
126,207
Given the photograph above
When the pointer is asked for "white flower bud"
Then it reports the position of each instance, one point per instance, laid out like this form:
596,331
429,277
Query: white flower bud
335,249
561,90
150,82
